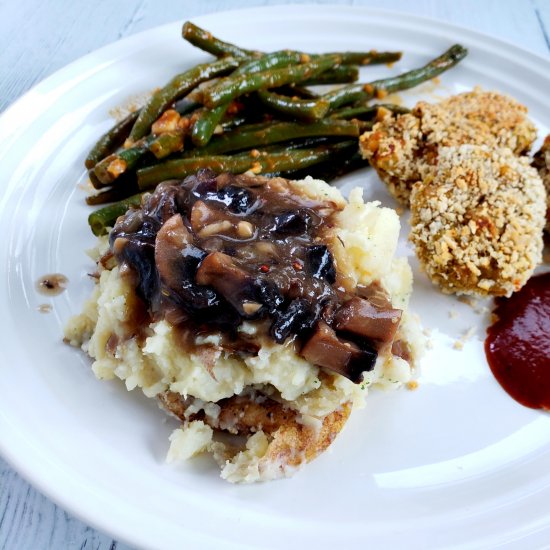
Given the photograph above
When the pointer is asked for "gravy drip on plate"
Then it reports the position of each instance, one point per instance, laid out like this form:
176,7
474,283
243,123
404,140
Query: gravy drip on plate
518,343
52,285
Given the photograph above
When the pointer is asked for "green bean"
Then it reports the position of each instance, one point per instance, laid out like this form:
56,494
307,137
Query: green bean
364,92
185,106
339,75
251,136
206,123
112,167
94,181
111,140
176,88
126,186
232,87
106,217
368,58
166,144
273,60
117,134
205,41
230,123
252,160
279,148
307,109
336,167
368,111
296,91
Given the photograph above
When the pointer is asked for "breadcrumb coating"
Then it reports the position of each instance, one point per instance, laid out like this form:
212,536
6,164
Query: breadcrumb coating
541,162
477,220
402,149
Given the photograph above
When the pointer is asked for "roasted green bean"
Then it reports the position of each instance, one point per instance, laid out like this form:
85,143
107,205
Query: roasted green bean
247,137
363,92
112,139
368,58
106,217
231,87
112,167
339,75
205,41
305,109
125,186
253,160
206,123
177,88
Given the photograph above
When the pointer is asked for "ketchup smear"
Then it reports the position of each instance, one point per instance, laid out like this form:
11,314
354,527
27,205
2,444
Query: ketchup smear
518,343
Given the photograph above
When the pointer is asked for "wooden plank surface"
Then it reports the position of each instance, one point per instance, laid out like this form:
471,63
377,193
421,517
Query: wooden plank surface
39,38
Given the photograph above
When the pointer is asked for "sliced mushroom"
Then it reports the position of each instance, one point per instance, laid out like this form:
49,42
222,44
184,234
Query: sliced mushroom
237,199
325,349
291,223
162,205
375,294
177,261
401,348
297,317
321,263
203,215
361,317
172,238
219,271
137,262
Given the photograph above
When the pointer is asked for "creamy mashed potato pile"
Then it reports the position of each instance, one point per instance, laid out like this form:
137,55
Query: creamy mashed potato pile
307,405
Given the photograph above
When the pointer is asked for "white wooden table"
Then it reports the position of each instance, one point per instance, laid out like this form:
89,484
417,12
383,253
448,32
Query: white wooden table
37,38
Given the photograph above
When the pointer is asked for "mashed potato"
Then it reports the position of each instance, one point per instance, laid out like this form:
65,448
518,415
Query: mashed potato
312,404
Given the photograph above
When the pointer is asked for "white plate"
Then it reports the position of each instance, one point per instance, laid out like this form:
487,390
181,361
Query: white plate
456,462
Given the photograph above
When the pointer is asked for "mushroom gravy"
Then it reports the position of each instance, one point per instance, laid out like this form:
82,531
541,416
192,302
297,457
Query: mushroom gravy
214,251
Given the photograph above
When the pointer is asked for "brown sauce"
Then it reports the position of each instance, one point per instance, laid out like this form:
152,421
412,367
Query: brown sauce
518,343
214,251
261,238
52,284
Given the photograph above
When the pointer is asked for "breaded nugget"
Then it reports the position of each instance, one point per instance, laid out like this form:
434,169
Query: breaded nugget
541,162
477,220
402,149
393,148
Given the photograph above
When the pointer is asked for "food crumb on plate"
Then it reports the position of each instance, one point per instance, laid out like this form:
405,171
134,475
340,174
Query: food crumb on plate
459,344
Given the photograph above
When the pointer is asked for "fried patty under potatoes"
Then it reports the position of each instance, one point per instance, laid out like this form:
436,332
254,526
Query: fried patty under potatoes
290,440
477,220
402,149
541,162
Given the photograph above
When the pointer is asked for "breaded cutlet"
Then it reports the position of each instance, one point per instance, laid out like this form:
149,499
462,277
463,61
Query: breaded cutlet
290,441
402,148
541,162
477,220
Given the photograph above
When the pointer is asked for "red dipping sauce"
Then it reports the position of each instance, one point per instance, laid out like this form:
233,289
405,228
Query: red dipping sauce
518,343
